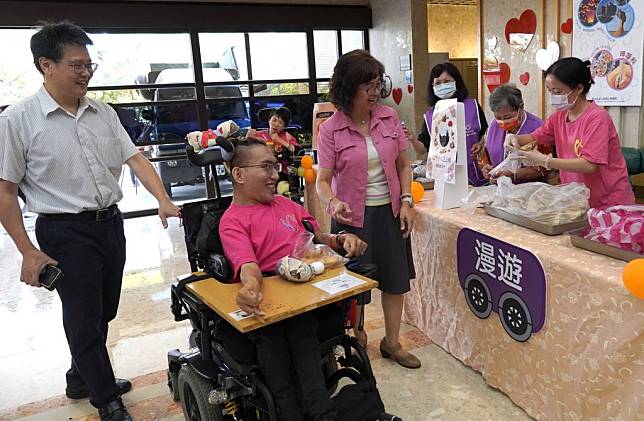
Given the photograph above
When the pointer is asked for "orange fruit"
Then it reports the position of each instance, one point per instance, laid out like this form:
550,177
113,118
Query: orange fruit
633,277
309,175
307,162
417,191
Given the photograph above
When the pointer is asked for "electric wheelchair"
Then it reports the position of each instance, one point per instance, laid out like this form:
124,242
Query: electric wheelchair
218,378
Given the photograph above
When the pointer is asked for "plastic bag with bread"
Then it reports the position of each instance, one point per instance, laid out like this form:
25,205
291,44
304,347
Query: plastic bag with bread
541,202
309,252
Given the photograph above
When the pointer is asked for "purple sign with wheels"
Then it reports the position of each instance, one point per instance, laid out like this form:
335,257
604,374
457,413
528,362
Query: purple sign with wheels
499,276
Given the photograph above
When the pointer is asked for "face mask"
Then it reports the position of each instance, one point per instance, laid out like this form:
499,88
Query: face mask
445,90
560,101
509,125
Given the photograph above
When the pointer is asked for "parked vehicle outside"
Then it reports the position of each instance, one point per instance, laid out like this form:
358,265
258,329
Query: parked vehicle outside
171,123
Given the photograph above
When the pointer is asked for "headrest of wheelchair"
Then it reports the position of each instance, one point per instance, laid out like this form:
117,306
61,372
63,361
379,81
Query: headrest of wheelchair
222,149
214,155
264,114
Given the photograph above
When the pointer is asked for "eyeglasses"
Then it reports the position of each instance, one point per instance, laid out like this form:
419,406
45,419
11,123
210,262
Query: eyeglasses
268,167
79,67
374,87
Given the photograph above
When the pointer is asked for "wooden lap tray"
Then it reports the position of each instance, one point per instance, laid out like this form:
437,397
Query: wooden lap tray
282,299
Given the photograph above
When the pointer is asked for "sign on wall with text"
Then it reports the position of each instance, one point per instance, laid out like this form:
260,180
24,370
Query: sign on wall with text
498,276
609,34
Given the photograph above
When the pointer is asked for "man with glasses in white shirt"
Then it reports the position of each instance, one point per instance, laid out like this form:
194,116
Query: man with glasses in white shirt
65,152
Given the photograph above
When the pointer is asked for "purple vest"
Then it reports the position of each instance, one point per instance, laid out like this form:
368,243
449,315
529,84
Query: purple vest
472,129
496,137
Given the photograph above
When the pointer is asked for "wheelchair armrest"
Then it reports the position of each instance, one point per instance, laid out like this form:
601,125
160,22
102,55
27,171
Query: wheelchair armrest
177,305
217,265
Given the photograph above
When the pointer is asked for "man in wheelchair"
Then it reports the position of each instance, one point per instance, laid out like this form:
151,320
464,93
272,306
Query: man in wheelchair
256,231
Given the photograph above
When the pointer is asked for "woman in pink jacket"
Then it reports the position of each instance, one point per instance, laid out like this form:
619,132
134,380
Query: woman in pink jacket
364,179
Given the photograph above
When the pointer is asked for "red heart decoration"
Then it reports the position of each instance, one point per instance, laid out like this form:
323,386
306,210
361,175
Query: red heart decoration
526,24
496,77
410,88
505,73
524,78
396,94
566,27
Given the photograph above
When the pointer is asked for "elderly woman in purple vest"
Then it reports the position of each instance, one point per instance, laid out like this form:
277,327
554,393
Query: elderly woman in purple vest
510,117
445,81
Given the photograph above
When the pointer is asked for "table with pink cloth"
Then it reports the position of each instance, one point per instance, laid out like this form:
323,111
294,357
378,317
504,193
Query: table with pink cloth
587,363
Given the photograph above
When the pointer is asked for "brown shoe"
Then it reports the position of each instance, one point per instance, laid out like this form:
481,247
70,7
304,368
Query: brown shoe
399,355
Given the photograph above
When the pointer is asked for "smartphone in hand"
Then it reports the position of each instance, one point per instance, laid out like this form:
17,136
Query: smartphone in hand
49,277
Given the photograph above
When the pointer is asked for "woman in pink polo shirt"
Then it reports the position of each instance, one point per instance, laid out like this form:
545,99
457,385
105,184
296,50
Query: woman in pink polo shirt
364,179
587,144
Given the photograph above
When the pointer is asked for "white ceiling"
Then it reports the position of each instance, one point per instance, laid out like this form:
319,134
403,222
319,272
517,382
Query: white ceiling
292,2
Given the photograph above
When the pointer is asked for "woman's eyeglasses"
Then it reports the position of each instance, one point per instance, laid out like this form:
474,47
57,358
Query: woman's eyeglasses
374,87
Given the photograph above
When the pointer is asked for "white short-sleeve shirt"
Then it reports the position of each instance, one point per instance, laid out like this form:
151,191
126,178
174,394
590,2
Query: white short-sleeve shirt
63,163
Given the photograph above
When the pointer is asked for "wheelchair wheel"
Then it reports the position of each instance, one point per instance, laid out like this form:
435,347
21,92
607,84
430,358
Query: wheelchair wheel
329,367
173,385
194,340
193,391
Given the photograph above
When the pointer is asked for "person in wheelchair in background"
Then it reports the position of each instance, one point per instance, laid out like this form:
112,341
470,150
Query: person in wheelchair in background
283,144
256,231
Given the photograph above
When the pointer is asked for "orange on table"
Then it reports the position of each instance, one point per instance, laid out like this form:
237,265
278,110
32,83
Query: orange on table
633,277
417,191
307,162
309,175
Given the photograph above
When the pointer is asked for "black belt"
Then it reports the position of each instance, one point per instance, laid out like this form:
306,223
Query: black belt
95,215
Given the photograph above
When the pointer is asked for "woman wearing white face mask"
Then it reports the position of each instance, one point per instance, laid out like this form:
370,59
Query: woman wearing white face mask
445,81
584,136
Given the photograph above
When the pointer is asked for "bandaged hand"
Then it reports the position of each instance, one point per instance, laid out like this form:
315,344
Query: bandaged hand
511,142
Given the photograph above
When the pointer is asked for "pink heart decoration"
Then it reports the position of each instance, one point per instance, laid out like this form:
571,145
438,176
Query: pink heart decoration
524,78
396,94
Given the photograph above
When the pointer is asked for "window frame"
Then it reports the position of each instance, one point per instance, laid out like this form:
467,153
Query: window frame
117,17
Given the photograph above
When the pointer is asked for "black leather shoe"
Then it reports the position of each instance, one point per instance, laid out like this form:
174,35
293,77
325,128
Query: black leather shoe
123,385
114,411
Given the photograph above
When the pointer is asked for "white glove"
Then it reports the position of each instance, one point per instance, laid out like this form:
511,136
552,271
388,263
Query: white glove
511,142
535,158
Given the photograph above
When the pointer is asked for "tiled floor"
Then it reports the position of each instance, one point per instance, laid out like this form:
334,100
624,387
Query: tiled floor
34,355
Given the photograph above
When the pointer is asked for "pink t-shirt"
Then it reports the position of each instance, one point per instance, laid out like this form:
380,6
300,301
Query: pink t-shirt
593,137
284,135
262,234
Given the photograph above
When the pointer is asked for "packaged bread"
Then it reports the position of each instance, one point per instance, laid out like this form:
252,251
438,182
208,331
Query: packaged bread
541,202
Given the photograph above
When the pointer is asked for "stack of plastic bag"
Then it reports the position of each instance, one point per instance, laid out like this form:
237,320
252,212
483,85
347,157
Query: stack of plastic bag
541,202
618,226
